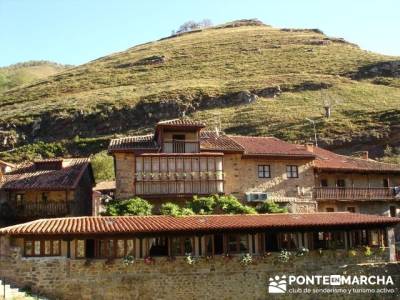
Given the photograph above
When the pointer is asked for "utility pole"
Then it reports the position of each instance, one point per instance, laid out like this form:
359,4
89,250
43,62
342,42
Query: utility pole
315,131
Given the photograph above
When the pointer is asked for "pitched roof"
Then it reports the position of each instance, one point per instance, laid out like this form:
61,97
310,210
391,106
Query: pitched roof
181,122
199,223
133,143
212,141
270,147
105,185
327,160
29,176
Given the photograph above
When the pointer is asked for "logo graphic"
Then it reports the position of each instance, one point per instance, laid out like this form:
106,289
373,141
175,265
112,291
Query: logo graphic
277,285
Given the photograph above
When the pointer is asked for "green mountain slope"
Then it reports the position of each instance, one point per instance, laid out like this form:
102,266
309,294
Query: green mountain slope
249,79
27,72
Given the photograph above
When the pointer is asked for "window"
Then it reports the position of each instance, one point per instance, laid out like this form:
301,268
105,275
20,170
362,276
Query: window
264,171
80,249
44,197
237,243
19,199
42,248
292,171
385,182
181,246
341,183
351,209
330,209
324,182
115,248
392,211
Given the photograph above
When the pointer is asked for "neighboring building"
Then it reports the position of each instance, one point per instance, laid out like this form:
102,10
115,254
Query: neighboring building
103,192
361,185
47,188
181,160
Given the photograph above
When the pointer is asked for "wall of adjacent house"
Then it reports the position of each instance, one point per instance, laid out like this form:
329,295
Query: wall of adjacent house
241,176
36,196
217,278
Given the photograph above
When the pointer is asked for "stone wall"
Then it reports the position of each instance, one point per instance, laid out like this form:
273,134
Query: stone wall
242,176
218,278
125,175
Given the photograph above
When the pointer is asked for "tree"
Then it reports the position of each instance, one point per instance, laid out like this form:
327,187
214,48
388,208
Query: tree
192,25
202,205
103,167
170,209
130,207
229,204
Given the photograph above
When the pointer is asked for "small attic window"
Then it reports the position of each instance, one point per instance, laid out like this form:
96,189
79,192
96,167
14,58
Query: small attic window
53,164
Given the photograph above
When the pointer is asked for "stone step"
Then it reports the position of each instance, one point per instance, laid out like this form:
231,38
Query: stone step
12,293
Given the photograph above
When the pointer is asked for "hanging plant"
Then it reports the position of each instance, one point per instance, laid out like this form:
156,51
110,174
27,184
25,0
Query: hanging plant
148,260
246,259
284,256
191,260
128,260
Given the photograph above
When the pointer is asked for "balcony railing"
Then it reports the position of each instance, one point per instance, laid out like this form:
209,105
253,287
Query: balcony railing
335,193
178,146
49,209
188,187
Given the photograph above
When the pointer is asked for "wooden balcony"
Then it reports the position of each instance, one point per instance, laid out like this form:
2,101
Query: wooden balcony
179,188
335,193
43,210
178,146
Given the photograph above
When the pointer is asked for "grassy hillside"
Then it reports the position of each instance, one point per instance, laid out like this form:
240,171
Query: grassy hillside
27,72
254,79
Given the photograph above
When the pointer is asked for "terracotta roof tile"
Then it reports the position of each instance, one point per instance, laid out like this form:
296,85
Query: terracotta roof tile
181,122
207,223
29,176
270,146
327,160
132,143
105,185
212,141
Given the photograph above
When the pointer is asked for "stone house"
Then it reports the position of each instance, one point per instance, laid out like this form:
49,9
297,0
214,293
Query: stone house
356,184
47,188
181,159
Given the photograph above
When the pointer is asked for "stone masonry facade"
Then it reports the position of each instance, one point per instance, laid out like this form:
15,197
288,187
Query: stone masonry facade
212,278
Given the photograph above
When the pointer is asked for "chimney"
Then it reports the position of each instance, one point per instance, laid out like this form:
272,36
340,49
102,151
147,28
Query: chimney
364,154
310,147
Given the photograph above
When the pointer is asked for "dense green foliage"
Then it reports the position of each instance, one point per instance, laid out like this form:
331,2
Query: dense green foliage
202,205
103,166
130,207
215,204
170,209
270,207
229,204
